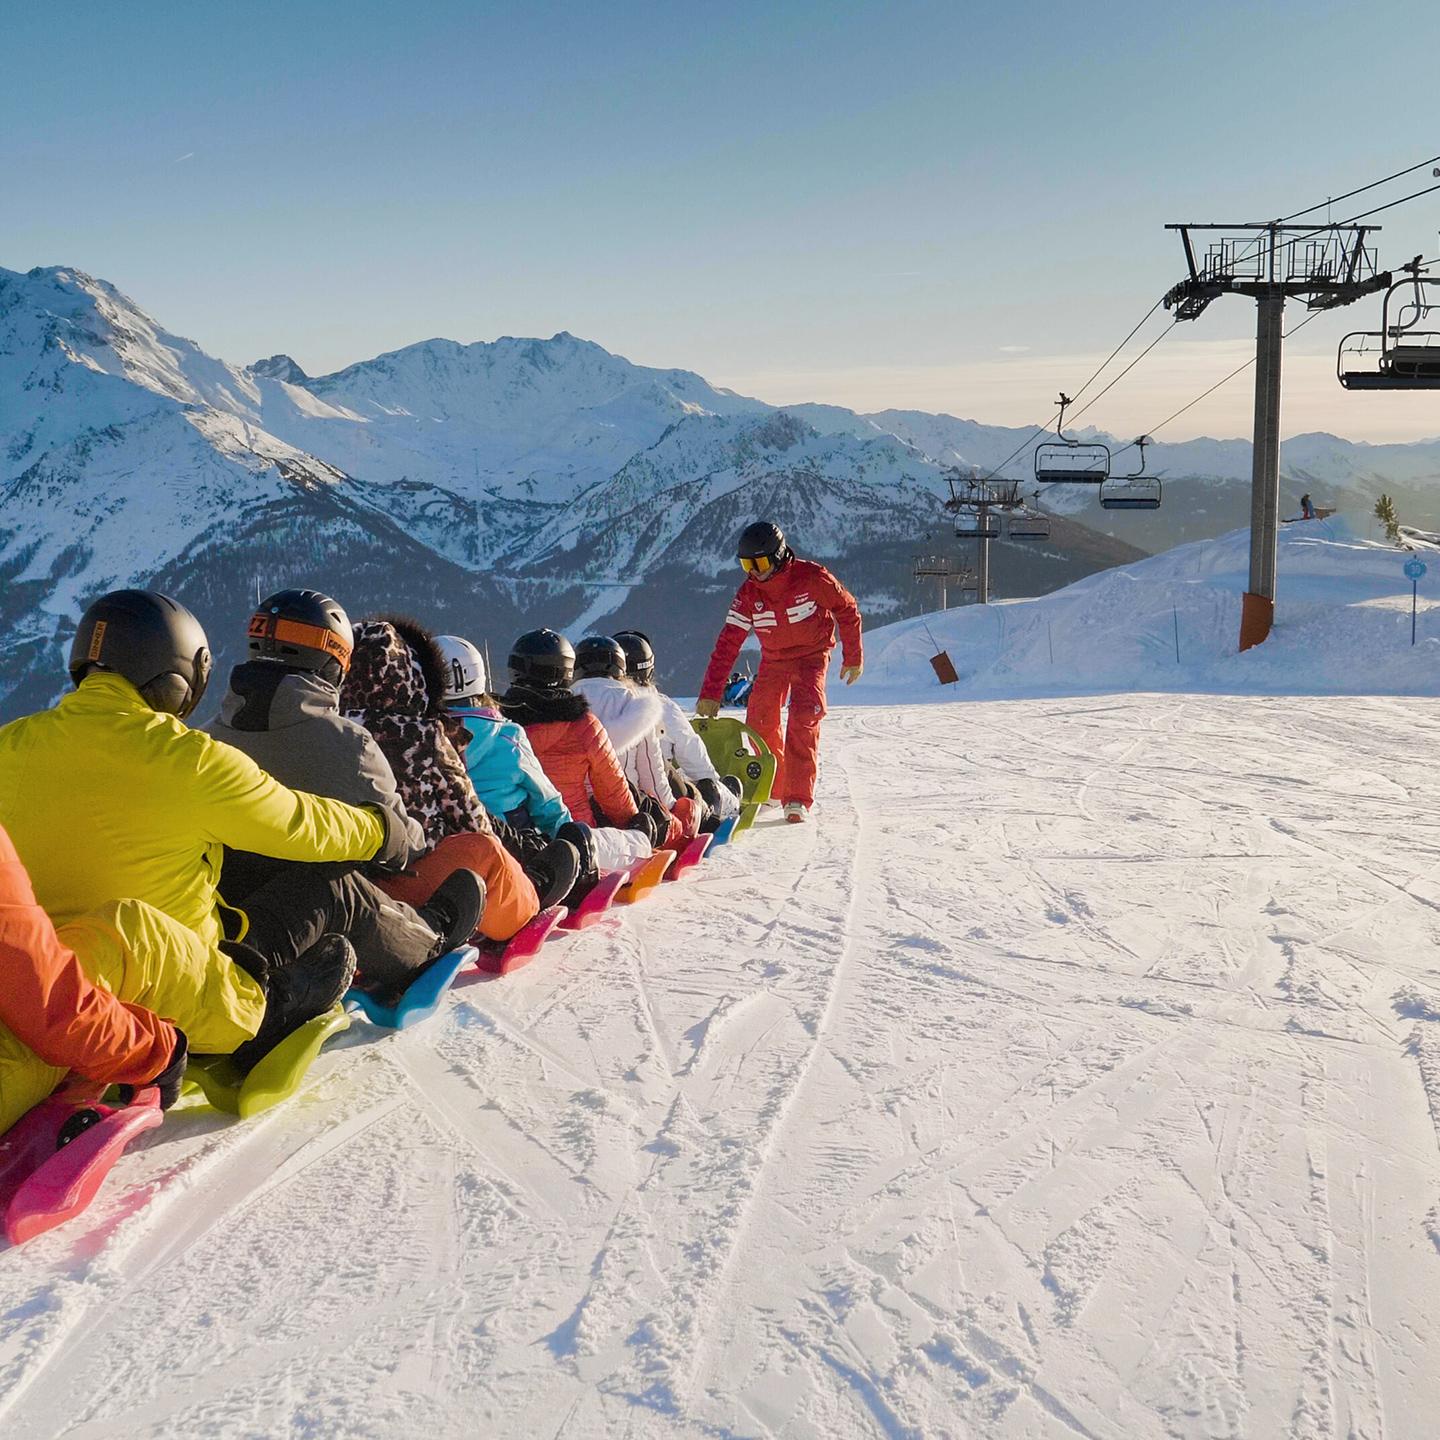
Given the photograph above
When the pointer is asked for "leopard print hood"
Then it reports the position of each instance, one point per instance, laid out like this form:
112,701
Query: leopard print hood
393,689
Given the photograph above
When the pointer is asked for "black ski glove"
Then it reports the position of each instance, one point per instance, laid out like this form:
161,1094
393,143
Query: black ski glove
394,851
168,1081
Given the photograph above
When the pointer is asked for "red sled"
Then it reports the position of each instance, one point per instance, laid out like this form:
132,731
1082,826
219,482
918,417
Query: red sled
591,910
690,856
47,1178
645,876
523,946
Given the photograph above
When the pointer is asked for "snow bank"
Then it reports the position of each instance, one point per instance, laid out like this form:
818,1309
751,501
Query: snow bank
1171,622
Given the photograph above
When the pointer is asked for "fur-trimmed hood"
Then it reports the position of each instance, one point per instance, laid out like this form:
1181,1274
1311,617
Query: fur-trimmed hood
628,712
542,707
394,689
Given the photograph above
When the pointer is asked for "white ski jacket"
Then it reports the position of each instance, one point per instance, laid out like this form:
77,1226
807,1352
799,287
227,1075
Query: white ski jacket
632,719
680,745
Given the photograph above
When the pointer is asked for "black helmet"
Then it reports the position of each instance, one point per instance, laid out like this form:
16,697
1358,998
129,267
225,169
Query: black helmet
599,655
639,655
542,660
154,642
303,630
763,546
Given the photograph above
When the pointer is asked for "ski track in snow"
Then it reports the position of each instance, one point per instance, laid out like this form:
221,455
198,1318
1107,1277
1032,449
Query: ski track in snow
1077,1074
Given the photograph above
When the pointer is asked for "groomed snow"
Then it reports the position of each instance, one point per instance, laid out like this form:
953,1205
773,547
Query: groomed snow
1072,1077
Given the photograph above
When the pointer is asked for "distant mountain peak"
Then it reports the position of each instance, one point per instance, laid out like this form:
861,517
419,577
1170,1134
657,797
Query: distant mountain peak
280,367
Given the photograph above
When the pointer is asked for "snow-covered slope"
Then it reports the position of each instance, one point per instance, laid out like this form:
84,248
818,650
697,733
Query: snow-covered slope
1074,1076
1172,621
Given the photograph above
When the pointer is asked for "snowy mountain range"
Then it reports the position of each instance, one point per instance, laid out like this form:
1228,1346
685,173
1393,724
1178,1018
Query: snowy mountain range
495,486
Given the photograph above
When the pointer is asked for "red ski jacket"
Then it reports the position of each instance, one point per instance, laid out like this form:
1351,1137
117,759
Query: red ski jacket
794,613
49,1004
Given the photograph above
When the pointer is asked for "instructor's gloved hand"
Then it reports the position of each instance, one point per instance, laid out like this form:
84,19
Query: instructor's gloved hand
167,1082
851,673
707,709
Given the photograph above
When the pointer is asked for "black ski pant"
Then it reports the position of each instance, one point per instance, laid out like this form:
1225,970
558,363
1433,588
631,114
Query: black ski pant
291,905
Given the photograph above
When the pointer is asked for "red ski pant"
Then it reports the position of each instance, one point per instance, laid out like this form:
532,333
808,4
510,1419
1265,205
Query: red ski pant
510,898
798,756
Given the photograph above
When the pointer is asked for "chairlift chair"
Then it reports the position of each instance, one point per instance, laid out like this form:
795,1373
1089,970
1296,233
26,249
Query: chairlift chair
1063,461
1029,525
1135,491
981,524
1406,357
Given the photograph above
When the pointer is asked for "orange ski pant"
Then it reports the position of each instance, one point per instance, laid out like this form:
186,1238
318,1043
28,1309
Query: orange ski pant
797,756
510,898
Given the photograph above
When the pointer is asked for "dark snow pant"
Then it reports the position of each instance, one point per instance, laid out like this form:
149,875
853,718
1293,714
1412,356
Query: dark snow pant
291,905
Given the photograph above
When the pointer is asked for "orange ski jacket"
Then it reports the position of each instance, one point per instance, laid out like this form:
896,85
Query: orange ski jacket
793,614
574,751
49,1004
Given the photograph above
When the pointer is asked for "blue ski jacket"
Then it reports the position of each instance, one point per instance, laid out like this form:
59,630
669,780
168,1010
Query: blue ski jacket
504,771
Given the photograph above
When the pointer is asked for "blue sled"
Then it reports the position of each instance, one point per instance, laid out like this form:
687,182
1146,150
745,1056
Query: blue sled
423,997
724,831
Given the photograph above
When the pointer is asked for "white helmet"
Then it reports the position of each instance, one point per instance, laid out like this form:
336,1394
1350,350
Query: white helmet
464,668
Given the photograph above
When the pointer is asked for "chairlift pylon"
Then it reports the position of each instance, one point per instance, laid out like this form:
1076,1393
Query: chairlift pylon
1135,491
1063,461
1407,358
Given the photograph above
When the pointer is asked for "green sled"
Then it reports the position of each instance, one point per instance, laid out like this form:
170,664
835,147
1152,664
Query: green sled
736,749
276,1077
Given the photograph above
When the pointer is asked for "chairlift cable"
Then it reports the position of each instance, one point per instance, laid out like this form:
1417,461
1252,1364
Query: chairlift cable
1350,194
1094,375
1169,330
1225,380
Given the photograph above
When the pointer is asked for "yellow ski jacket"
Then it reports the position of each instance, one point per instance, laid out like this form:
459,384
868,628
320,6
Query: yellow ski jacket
105,800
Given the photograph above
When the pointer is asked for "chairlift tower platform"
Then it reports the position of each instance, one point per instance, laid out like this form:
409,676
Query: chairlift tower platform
977,506
946,574
1326,266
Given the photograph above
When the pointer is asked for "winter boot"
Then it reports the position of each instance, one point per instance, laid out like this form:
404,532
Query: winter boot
298,992
583,839
734,784
796,813
554,872
453,912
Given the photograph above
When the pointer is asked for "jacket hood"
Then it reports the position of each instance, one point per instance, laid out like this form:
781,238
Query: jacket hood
421,643
265,696
542,707
388,673
628,712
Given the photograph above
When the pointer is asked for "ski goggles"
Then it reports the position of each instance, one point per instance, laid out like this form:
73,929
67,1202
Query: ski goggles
756,565
295,632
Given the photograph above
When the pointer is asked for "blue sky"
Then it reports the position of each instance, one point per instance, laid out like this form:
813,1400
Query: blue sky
946,206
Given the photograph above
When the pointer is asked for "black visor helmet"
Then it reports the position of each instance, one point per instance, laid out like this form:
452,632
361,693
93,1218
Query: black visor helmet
542,660
639,655
154,642
761,549
304,630
598,655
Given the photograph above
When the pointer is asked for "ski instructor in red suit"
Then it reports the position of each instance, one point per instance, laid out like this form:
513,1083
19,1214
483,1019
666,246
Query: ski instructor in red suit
794,606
